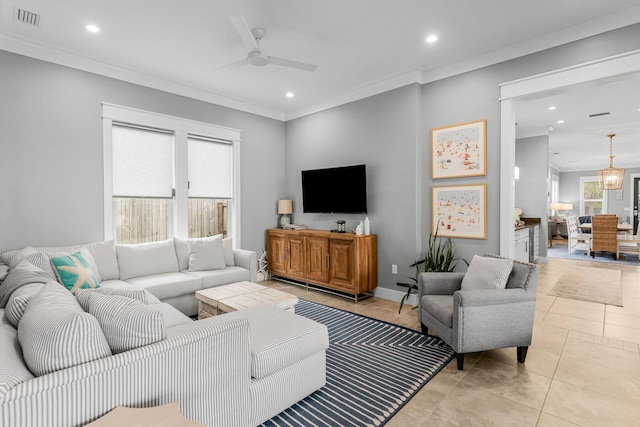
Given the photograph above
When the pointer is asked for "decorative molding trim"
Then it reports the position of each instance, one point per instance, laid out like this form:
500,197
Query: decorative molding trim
362,92
32,50
393,295
587,29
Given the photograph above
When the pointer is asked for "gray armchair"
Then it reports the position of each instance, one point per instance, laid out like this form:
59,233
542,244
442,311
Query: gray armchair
478,320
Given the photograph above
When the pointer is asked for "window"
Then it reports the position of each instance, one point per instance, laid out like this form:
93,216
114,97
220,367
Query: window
593,199
166,176
210,185
142,183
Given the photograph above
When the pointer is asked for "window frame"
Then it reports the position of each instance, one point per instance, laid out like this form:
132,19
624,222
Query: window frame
584,179
181,128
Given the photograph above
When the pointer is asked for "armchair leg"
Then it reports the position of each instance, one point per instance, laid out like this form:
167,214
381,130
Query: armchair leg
522,354
460,360
425,329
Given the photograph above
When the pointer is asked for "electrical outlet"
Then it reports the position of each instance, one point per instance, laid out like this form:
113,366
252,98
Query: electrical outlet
394,269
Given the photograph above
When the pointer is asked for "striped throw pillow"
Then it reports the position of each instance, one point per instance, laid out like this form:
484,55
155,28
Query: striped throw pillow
19,300
127,323
487,273
55,333
82,295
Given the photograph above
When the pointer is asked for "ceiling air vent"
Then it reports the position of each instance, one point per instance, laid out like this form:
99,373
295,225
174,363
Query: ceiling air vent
26,17
599,114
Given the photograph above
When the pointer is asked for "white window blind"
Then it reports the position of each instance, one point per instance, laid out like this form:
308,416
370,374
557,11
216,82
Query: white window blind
210,168
142,162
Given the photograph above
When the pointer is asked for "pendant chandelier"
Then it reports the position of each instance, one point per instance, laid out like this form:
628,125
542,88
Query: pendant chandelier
611,178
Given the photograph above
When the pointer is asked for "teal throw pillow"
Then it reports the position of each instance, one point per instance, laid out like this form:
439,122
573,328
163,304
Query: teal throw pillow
74,272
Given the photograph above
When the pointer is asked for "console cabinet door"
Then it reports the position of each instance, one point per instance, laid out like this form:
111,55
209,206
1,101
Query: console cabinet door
296,256
318,258
342,263
277,251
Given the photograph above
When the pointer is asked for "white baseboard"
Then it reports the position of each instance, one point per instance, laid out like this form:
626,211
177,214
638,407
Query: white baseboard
394,295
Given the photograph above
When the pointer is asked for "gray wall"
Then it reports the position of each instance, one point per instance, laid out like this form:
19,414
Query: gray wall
570,192
532,157
475,95
51,152
380,132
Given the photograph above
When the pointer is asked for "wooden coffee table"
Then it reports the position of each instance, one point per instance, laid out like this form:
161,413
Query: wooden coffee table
240,296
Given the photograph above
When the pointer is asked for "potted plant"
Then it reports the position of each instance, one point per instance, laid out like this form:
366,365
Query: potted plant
440,257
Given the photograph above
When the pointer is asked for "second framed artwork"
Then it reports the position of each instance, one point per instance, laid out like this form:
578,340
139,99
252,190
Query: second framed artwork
459,150
460,211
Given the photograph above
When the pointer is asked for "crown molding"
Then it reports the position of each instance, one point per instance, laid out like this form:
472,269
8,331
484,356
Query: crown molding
587,29
67,59
364,91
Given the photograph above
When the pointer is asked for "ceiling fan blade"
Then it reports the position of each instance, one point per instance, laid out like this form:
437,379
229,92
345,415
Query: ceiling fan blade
245,33
292,64
233,65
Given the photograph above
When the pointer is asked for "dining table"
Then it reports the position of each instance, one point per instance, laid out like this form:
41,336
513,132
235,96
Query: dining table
621,227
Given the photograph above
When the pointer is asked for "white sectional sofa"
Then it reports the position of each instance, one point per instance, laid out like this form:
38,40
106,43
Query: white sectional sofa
237,369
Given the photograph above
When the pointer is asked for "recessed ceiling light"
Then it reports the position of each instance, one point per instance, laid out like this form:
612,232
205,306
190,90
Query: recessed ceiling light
560,122
289,94
432,39
553,107
92,28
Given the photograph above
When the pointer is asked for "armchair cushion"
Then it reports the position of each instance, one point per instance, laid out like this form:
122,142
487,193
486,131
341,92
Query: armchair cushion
487,273
440,307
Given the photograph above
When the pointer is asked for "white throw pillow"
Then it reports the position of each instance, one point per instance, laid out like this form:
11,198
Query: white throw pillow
146,259
104,254
55,333
20,256
227,246
206,254
127,323
487,273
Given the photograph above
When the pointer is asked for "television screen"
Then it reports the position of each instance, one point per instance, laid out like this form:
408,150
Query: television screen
335,190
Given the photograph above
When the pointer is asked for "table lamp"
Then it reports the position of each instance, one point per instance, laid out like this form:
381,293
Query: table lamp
285,208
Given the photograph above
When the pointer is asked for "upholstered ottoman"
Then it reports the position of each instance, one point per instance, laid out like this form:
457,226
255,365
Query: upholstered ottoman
288,359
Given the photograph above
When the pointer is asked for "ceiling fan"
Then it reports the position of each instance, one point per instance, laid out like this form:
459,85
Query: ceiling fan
256,55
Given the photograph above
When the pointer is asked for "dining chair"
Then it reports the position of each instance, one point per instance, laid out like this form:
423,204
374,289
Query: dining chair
604,230
578,241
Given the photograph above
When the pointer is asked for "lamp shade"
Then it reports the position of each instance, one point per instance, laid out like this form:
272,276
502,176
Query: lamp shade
285,207
567,206
556,206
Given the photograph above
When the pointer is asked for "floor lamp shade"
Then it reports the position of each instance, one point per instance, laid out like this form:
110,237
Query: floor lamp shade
285,208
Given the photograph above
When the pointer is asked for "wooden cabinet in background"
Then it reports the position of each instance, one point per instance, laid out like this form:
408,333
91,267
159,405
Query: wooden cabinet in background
340,261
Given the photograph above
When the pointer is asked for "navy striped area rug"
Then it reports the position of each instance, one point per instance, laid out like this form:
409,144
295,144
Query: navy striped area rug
373,369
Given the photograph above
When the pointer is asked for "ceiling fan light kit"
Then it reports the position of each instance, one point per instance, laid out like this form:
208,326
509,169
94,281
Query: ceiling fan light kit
611,178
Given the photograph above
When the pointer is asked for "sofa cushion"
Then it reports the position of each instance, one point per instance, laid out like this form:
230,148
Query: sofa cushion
280,338
146,259
214,278
74,272
172,316
127,323
440,307
206,254
182,251
82,295
121,284
104,254
487,273
55,333
13,371
36,259
13,258
18,301
168,285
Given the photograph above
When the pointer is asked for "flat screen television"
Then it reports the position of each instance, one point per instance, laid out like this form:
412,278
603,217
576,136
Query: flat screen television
335,190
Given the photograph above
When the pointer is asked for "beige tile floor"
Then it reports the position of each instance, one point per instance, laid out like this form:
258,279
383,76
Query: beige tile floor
582,369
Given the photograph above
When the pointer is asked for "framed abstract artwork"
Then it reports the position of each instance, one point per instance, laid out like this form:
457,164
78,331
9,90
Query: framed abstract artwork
459,150
460,211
